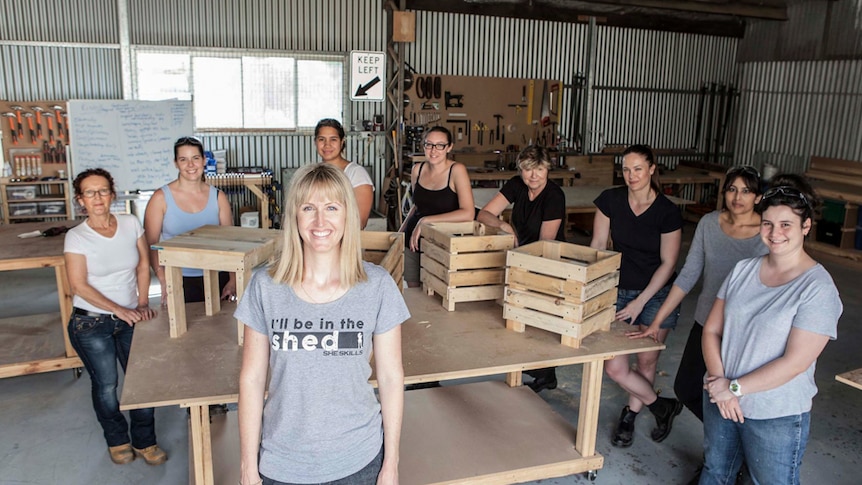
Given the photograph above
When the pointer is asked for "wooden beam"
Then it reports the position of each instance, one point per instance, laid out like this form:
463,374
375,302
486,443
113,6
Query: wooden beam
606,14
760,9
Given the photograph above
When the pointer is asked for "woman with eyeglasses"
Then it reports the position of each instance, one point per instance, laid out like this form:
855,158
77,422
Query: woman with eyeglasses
647,230
329,140
183,205
537,215
441,193
312,322
109,275
772,318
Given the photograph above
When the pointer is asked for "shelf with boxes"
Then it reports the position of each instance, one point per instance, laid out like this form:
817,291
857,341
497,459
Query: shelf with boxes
839,183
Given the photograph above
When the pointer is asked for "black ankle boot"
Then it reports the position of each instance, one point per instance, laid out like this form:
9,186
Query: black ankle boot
624,434
664,409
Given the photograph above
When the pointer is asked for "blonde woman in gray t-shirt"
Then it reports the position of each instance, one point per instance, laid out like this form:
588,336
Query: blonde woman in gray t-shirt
772,318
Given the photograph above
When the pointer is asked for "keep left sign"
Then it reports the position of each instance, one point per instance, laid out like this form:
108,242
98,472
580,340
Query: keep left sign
367,76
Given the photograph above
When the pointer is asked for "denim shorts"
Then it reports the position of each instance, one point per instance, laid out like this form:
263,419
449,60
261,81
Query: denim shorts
650,309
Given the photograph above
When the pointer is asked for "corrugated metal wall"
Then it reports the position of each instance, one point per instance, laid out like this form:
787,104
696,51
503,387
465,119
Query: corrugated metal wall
792,110
30,73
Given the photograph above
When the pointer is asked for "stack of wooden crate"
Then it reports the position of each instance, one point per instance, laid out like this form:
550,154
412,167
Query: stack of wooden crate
464,261
564,288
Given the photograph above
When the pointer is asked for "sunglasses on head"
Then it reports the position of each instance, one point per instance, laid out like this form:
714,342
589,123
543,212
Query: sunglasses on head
743,169
188,140
786,191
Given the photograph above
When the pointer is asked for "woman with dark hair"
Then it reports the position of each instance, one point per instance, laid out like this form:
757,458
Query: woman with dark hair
329,140
647,230
312,321
183,205
537,214
109,275
441,193
772,318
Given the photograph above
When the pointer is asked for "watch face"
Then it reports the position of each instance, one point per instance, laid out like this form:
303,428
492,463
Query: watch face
734,387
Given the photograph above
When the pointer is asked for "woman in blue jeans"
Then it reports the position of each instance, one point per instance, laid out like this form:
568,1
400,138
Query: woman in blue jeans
647,230
772,318
108,267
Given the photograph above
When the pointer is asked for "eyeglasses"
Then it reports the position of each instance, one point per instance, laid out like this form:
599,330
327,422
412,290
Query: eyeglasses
89,194
188,140
743,169
439,146
786,191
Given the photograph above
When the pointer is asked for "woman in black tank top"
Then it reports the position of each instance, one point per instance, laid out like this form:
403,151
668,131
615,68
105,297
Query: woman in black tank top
441,193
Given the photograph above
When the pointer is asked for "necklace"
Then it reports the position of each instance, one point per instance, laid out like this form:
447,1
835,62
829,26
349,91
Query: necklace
314,300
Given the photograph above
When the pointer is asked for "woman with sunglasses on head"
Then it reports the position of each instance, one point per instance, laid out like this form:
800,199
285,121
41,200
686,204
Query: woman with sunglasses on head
647,230
107,261
537,214
772,318
441,193
329,140
185,204
312,322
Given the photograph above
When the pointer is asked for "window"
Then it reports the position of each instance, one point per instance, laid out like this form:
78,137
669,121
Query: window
245,91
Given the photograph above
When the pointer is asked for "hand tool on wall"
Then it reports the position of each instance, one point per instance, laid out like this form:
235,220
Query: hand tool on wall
545,114
47,156
18,110
38,110
499,117
49,117
30,117
731,94
699,125
58,112
12,127
530,102
65,117
454,100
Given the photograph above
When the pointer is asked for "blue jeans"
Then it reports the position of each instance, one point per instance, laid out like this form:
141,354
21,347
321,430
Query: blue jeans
650,309
100,343
772,448
366,476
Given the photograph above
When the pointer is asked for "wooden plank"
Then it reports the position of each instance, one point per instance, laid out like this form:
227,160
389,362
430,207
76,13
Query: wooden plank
840,191
40,252
853,254
834,177
512,434
176,301
588,411
570,290
573,312
852,378
577,331
476,293
834,165
461,237
477,277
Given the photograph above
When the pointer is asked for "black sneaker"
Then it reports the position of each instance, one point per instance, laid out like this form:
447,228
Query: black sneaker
624,434
669,409
542,383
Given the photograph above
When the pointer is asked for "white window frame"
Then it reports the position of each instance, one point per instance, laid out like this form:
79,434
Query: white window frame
343,58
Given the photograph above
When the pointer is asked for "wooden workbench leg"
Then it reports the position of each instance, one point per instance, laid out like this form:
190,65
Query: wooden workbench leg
242,278
212,296
514,379
64,292
176,300
588,413
201,456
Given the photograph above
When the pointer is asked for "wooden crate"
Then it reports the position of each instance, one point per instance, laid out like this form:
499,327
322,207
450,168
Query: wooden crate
385,249
464,261
564,288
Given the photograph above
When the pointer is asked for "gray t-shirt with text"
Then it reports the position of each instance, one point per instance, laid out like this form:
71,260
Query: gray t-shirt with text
321,421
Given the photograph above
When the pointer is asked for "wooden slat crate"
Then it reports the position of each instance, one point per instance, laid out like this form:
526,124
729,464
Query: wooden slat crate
385,249
560,287
464,261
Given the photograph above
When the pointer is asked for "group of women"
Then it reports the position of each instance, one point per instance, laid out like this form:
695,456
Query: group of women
765,312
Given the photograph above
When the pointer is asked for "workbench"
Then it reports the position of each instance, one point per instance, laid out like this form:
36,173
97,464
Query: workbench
253,182
511,433
36,343
684,175
852,378
212,248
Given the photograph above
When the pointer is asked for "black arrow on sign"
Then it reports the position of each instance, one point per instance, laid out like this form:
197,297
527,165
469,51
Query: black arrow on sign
363,90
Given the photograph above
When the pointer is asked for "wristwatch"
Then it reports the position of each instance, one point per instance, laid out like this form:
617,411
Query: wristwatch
735,388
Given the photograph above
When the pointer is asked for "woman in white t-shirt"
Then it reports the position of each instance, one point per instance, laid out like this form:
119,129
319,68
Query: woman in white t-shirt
107,261
329,140
772,318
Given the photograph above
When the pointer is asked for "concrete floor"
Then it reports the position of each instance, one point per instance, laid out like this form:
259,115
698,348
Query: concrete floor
49,433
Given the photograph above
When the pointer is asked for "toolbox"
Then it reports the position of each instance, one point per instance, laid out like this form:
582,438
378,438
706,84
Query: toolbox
27,209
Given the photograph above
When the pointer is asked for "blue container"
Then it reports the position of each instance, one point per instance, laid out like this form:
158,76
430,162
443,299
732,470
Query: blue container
211,165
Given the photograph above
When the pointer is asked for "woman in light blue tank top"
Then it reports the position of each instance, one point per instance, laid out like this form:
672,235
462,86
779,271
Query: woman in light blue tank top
183,205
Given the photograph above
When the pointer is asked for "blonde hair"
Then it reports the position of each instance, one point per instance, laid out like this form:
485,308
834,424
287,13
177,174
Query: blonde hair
323,178
534,156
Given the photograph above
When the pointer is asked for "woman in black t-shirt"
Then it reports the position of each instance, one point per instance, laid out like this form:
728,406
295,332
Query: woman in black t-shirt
647,230
537,214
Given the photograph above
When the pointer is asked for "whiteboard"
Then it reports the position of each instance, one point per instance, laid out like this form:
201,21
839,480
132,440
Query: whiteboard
134,140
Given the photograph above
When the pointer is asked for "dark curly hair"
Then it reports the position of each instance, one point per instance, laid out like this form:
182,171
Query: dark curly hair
101,172
791,190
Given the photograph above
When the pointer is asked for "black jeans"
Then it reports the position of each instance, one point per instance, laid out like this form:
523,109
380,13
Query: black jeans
688,385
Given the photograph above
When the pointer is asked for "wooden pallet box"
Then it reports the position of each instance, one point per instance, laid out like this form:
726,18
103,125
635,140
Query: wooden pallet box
385,249
464,261
564,288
